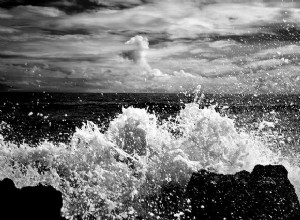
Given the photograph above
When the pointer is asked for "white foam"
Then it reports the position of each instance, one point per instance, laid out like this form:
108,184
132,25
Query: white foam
92,167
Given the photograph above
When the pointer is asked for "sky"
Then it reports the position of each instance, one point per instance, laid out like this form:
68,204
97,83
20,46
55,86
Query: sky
226,46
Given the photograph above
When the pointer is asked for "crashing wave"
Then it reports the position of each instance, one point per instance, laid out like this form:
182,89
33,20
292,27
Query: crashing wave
108,174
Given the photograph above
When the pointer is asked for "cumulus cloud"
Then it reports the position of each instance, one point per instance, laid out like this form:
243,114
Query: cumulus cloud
140,45
138,54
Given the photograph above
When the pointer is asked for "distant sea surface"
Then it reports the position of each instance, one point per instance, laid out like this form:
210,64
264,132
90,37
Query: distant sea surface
34,117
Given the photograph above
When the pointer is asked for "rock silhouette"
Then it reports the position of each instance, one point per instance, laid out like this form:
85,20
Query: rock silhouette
36,202
265,193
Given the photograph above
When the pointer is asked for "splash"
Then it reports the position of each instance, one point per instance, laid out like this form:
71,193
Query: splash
108,174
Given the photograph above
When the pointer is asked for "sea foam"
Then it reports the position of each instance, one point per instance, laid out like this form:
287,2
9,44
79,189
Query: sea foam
109,174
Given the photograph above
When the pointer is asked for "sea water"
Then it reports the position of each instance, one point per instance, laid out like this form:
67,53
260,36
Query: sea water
107,153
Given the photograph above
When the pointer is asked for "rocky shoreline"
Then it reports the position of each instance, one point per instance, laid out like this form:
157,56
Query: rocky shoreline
265,193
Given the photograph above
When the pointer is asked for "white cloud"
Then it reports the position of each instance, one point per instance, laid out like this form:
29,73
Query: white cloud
182,73
223,44
138,54
34,11
265,64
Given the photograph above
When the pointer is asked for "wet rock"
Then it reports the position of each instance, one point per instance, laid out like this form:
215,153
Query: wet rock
272,194
265,193
171,200
165,203
38,202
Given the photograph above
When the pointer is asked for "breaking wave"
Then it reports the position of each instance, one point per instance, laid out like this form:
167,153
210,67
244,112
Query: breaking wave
110,174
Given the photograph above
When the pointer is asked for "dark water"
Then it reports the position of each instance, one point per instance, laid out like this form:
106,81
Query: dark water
32,117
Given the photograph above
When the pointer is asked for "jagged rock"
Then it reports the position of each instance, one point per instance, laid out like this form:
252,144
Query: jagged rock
272,194
34,203
266,193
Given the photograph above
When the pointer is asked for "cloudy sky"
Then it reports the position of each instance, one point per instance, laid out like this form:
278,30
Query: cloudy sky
226,46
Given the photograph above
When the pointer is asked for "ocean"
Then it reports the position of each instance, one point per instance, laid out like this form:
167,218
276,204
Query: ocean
33,117
70,140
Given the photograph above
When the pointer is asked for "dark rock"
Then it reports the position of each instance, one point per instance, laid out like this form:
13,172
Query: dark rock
266,193
171,199
213,196
165,202
272,194
45,199
37,202
9,201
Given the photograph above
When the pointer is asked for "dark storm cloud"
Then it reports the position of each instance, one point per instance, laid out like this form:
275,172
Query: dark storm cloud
51,59
78,31
4,84
68,56
39,68
284,31
267,33
73,6
68,6
154,38
4,87
12,56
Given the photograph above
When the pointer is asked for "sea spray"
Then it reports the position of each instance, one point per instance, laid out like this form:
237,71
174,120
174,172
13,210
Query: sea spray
112,174
92,181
